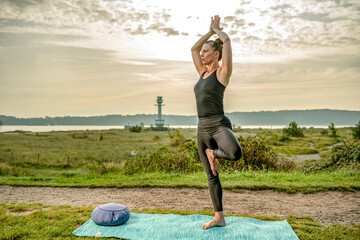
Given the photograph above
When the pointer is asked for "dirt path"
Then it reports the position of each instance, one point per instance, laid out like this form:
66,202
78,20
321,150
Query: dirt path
316,156
326,208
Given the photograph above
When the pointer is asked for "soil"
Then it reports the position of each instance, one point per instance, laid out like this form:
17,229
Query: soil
324,207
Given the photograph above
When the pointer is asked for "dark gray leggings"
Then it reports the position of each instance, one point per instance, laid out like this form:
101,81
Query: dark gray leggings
216,133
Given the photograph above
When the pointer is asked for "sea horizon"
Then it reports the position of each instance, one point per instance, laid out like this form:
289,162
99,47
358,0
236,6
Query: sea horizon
50,128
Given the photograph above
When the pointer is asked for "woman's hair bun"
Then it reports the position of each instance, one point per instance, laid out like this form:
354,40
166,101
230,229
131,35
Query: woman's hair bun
217,45
218,40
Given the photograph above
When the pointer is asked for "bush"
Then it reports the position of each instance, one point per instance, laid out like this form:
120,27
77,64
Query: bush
185,159
257,155
356,131
95,166
158,129
273,138
293,130
135,129
333,131
324,132
284,138
82,135
176,138
346,155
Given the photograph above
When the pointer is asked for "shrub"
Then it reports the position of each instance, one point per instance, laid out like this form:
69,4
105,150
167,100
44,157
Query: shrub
158,129
236,128
13,171
176,138
257,155
346,155
95,166
356,131
293,130
185,160
273,138
324,132
135,129
284,138
82,135
333,131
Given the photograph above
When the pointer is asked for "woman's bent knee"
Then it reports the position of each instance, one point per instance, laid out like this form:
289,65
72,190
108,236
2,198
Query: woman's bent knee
237,154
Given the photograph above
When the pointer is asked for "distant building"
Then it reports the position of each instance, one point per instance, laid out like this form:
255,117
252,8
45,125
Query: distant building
159,122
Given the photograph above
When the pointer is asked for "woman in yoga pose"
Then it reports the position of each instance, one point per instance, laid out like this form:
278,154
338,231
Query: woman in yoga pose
215,138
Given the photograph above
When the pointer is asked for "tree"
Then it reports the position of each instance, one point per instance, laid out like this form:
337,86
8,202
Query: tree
135,129
333,131
293,130
356,131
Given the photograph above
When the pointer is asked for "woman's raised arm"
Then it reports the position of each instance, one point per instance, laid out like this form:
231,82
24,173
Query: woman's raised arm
195,52
226,66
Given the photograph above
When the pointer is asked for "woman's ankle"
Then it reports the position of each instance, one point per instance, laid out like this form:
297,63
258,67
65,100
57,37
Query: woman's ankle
219,215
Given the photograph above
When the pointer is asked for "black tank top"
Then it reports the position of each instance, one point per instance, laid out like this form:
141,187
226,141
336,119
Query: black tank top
209,93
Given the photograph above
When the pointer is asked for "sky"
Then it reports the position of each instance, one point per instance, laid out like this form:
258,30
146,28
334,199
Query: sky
100,57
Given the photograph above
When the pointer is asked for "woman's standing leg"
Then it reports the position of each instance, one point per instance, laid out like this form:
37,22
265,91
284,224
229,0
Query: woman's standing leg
205,141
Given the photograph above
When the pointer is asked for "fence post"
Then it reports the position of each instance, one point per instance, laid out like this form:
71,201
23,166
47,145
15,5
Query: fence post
68,159
12,156
38,158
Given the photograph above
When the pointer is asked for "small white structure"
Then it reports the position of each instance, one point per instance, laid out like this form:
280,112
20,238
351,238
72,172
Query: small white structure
159,122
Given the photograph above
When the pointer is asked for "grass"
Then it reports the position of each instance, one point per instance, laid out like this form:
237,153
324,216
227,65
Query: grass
66,159
56,147
115,145
41,159
312,142
342,180
37,221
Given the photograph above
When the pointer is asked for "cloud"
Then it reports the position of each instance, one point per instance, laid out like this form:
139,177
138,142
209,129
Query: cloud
87,15
295,29
299,27
230,18
281,7
96,56
138,31
170,31
239,11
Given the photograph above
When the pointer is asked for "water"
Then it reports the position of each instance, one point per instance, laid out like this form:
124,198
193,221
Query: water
8,128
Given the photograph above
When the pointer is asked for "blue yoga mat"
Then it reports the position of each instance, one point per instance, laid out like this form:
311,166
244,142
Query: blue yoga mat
173,226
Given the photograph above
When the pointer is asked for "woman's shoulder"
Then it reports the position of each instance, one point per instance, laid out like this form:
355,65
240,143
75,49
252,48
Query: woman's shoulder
222,78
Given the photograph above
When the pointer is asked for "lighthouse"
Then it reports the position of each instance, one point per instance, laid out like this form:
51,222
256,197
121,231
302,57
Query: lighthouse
159,122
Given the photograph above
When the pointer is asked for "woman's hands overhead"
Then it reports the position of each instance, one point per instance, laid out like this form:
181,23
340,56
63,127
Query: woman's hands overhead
215,23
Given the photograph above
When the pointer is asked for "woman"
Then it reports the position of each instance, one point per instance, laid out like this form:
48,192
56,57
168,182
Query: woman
215,138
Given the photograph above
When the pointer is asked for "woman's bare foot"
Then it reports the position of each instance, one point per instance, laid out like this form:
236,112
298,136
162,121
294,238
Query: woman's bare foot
218,221
214,163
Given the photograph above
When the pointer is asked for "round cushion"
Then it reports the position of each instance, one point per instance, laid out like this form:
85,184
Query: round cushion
110,214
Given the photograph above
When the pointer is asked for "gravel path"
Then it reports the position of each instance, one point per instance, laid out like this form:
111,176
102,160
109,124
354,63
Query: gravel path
324,207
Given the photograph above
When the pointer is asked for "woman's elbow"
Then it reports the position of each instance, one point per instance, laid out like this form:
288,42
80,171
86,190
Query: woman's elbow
195,49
